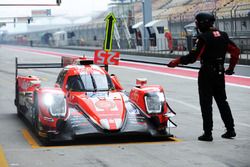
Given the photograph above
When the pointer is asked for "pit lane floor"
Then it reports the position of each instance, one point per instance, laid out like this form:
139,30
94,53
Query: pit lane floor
182,95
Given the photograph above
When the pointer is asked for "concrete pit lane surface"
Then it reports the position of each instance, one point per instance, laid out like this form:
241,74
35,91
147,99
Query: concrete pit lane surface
19,147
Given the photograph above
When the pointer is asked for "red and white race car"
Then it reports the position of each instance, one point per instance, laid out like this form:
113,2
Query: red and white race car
86,101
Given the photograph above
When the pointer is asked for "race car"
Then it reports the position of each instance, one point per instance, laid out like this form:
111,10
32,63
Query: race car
87,101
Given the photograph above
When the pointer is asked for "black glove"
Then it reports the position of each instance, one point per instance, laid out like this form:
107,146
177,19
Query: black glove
174,63
229,72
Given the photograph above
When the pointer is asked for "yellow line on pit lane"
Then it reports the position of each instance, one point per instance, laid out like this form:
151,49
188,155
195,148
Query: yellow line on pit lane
174,139
3,161
35,145
30,139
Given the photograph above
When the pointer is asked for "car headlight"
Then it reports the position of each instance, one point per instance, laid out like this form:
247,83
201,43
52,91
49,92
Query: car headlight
154,102
48,99
56,104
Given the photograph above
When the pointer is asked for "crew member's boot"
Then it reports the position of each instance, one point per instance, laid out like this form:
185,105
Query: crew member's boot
229,134
206,137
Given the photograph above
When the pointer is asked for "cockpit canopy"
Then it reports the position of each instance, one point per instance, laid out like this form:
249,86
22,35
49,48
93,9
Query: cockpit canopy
89,82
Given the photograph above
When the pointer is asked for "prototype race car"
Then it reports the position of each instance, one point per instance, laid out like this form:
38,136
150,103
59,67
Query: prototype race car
86,101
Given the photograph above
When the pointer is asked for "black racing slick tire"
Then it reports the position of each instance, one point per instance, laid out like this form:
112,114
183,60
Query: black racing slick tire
18,107
35,115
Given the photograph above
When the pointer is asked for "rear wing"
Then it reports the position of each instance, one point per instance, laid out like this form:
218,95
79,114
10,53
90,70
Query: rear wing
36,65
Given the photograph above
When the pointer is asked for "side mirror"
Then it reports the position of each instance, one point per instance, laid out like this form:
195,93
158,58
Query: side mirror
141,81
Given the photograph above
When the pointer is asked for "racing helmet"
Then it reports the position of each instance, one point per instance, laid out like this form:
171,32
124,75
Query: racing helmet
204,21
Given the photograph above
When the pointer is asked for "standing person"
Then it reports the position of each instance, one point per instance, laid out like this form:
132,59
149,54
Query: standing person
211,47
169,38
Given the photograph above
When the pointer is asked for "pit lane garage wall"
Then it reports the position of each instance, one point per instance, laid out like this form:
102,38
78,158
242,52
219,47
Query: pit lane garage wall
92,36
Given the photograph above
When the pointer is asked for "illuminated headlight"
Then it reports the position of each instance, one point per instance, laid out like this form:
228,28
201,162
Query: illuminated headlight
154,102
48,100
56,104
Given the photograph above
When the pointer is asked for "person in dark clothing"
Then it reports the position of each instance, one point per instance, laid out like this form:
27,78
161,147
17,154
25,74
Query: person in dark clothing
211,47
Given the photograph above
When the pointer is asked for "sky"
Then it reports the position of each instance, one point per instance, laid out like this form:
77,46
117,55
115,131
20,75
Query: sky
83,9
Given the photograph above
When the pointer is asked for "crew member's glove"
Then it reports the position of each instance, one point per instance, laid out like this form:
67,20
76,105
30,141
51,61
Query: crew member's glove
174,63
229,72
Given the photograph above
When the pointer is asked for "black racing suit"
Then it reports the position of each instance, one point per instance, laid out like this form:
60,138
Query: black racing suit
211,47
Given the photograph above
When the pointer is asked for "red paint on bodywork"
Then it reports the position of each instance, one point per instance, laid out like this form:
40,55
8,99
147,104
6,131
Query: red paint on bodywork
137,95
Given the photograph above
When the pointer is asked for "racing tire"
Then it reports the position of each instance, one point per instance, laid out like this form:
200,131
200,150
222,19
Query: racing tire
165,134
19,114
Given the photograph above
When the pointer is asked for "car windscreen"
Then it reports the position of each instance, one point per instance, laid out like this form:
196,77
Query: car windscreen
87,82
95,82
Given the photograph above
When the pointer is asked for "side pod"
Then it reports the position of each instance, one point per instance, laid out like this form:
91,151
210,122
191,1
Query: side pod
151,100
